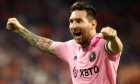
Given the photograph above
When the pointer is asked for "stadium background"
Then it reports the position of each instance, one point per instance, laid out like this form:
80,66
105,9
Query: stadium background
20,63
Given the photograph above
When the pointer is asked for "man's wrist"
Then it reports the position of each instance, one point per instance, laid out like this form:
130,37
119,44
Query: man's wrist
115,38
20,30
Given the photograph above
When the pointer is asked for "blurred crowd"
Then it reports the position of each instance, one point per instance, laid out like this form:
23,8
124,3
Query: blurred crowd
21,63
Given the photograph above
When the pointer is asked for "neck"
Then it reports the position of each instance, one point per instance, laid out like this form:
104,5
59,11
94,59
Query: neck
87,43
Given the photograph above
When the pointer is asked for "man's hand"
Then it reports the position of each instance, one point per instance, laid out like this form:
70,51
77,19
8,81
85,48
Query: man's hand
14,25
41,43
108,33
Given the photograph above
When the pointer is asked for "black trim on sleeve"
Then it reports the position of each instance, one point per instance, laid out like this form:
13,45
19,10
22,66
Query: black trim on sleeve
106,48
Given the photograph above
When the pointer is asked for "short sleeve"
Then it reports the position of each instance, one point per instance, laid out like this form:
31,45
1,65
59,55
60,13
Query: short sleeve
61,50
114,57
111,56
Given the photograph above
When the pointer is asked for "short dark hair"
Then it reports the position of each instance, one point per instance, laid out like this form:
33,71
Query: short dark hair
91,13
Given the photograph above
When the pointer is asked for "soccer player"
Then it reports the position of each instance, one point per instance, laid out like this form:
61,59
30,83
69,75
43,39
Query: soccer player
93,57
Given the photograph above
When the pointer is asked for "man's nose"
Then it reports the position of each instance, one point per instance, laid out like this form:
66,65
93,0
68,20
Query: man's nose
74,25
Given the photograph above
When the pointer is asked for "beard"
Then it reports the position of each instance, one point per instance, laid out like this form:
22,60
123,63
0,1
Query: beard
82,41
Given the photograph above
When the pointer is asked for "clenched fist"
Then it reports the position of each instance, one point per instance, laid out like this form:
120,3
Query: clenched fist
14,25
108,33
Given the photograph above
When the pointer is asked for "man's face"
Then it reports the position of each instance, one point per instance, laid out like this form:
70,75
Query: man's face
80,26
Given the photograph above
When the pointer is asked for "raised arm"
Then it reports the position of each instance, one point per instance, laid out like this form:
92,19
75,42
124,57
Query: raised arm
41,43
114,44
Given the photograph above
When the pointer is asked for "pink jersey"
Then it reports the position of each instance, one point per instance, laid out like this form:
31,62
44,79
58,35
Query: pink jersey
93,65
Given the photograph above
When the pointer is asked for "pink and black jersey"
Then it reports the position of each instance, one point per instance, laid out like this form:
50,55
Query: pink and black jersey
93,65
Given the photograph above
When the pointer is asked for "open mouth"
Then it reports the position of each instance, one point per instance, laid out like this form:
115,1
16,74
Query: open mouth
78,33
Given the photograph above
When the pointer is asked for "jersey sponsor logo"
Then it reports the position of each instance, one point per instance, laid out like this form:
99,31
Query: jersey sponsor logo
92,56
85,72
75,72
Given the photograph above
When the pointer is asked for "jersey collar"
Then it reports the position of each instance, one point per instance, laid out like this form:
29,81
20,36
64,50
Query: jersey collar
94,40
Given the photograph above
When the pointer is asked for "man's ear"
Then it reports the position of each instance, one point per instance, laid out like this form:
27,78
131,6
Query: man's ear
94,24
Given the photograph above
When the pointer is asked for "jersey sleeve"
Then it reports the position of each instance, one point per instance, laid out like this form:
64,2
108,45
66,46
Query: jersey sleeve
111,56
61,50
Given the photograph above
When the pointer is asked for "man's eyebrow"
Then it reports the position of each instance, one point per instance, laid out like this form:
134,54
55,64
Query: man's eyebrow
75,19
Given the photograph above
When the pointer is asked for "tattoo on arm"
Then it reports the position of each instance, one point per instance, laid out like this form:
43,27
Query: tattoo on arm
41,43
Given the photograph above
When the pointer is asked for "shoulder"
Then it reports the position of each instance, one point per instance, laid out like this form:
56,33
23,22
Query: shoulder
70,42
102,41
66,43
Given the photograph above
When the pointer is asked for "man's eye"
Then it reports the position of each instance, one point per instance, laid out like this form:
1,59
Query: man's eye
78,21
71,21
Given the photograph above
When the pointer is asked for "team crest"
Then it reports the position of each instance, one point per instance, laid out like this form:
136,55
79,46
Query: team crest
92,56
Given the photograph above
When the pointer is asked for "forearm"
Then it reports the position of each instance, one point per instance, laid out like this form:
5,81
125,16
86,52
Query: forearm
115,45
41,43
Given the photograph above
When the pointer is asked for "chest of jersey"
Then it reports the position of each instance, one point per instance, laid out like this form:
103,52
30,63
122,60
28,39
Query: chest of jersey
85,63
